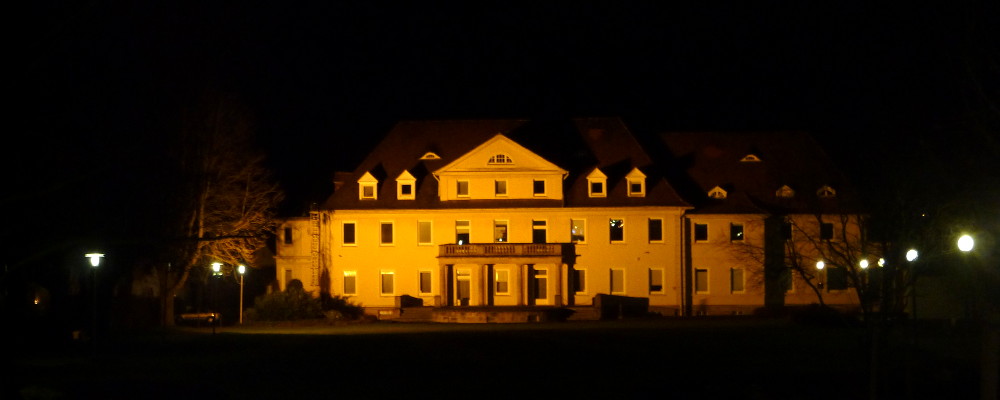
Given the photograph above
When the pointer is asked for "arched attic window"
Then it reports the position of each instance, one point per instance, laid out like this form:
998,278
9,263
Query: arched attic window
826,192
500,159
750,158
717,193
430,156
785,192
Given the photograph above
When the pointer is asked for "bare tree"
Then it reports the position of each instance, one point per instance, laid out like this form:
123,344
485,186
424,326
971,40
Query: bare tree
225,199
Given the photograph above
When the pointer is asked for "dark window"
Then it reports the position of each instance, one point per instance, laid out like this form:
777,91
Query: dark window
701,281
597,187
348,233
288,235
406,190
700,232
735,232
617,228
539,187
387,233
425,282
579,280
538,229
655,280
635,188
836,278
786,231
826,231
655,230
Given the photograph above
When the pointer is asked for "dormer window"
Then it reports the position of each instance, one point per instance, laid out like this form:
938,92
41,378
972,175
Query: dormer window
750,158
785,192
501,159
430,156
717,193
636,183
597,184
826,192
406,186
367,187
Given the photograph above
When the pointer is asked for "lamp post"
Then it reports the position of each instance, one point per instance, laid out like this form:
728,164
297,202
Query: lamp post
95,261
242,270
911,256
819,271
216,272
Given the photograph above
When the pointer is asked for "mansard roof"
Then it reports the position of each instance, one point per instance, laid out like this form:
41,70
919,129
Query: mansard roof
793,159
575,145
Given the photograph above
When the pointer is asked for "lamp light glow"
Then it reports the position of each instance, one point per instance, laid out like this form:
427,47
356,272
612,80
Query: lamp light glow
881,262
863,264
95,258
966,243
242,269
820,264
911,255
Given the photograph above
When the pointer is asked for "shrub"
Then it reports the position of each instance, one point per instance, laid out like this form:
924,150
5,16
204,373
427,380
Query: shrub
341,307
292,304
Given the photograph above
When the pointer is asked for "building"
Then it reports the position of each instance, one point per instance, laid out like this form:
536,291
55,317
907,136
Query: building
529,215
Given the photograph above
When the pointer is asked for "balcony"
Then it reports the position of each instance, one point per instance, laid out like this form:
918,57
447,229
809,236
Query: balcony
503,250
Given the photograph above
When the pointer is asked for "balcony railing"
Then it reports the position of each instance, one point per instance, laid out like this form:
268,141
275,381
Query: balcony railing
501,250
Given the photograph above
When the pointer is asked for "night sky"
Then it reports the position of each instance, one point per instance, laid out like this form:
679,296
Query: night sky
101,81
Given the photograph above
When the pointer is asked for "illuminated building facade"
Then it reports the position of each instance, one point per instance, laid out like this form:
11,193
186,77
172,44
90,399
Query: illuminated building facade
475,214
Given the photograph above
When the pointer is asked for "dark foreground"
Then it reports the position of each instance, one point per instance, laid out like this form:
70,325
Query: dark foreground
697,359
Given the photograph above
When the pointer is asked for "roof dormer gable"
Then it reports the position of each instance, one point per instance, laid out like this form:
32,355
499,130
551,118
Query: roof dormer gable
826,192
406,186
636,183
785,192
718,193
597,183
503,154
367,187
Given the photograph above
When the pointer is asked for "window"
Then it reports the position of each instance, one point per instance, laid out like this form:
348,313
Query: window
597,184
500,188
655,230
701,281
538,187
430,156
368,192
617,230
349,233
462,232
501,280
425,282
366,187
826,231
500,231
750,158
656,281
736,232
580,280
826,192
736,280
388,279
636,183
405,184
617,281
500,159
385,233
405,190
577,231
538,230
836,278
350,282
288,235
424,232
786,230
701,232
463,189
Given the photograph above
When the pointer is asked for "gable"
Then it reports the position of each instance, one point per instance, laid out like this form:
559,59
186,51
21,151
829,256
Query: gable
500,154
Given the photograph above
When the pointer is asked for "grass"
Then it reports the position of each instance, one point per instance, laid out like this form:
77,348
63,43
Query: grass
677,358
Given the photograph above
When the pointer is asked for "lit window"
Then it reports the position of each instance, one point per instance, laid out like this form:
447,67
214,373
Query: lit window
577,230
656,281
350,282
500,231
736,232
655,230
462,232
500,159
617,230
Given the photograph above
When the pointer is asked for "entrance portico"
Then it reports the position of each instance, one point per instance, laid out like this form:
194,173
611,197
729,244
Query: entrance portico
507,274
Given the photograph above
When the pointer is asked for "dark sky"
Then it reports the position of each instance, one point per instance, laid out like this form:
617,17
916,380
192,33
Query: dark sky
326,80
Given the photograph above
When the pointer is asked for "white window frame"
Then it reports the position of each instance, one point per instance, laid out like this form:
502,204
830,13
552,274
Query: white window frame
420,282
694,233
496,279
545,188
343,288
708,281
624,232
496,184
392,232
584,224
381,283
458,188
663,276
743,281
662,230
343,226
611,281
743,232
430,233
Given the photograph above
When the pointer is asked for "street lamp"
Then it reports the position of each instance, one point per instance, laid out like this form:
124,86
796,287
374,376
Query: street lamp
242,270
911,255
95,261
966,243
819,269
863,264
216,268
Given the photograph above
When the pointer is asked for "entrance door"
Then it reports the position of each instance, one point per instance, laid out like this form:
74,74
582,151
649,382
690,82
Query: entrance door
463,287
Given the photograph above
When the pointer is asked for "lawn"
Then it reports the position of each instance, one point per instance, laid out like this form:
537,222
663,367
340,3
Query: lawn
663,358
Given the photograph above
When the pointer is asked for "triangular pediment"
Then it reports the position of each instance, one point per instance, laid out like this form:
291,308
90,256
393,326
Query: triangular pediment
597,174
500,153
406,176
